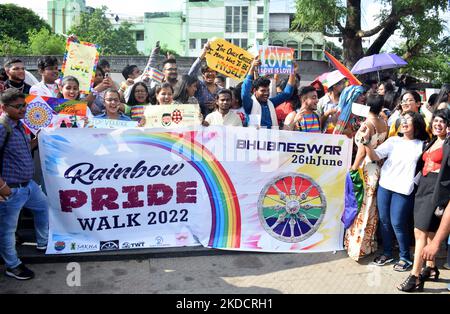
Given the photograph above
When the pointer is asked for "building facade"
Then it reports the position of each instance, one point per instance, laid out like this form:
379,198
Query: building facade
241,22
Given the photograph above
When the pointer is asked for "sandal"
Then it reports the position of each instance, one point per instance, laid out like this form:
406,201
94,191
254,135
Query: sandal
402,266
382,260
429,272
411,284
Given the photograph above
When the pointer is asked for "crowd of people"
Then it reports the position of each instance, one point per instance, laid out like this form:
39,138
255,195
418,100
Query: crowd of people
401,148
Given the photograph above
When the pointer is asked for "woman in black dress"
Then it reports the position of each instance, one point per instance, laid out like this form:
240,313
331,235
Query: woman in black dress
426,222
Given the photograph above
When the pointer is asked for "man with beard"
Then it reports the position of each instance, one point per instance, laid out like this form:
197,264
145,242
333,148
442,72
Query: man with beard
15,71
327,107
259,104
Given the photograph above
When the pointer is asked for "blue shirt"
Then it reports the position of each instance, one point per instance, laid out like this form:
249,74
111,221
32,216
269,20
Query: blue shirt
121,117
247,100
18,165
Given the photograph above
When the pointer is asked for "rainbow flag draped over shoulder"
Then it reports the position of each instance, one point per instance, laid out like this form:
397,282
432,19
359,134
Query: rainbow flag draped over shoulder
346,100
346,72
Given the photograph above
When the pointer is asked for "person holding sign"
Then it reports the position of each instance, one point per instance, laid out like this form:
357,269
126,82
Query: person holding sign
112,105
223,115
305,119
207,88
259,103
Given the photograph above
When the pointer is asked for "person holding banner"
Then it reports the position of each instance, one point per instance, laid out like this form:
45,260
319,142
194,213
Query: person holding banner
304,119
48,69
17,188
259,104
164,94
360,237
139,99
112,105
223,115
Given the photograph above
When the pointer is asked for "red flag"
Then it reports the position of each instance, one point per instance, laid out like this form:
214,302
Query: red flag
346,72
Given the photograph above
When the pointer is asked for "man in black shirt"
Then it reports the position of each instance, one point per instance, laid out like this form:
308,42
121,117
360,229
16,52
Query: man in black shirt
15,71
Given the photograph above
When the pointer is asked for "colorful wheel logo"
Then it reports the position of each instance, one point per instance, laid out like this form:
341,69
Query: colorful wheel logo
38,115
291,207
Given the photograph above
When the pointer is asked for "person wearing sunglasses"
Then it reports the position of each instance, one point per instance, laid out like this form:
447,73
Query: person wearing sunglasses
17,187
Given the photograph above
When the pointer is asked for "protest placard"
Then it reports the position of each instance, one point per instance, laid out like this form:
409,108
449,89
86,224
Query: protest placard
45,112
228,59
276,60
80,60
172,116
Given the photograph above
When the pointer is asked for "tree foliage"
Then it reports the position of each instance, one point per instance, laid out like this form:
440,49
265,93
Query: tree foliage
431,62
43,42
338,18
95,27
15,22
12,47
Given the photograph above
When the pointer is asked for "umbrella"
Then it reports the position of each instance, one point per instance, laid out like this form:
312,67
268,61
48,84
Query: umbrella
378,62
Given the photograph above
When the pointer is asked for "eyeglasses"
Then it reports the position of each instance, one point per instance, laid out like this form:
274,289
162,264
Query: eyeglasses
171,69
112,100
405,120
18,106
404,101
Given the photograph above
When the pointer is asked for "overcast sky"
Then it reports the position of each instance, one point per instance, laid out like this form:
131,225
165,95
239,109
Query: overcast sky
137,7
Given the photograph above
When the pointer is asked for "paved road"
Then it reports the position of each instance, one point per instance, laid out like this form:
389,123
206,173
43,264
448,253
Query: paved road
220,274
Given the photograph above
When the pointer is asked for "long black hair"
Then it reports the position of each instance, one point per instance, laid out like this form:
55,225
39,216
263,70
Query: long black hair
182,95
420,127
132,100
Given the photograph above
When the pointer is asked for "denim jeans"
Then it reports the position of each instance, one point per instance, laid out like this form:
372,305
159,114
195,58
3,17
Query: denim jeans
32,198
395,212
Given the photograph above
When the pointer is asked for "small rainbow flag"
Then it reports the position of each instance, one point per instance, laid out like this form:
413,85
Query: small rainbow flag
154,74
346,72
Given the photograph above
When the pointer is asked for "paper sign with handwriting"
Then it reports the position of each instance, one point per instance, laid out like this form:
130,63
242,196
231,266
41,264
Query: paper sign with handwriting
80,60
228,59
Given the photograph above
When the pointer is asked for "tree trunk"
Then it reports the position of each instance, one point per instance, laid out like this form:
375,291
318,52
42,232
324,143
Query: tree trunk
352,41
382,38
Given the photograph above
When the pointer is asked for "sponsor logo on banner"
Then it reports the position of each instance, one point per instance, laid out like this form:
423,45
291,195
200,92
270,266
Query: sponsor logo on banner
87,247
60,245
73,246
133,245
159,241
109,245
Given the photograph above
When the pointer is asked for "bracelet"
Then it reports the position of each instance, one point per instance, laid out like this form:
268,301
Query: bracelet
3,186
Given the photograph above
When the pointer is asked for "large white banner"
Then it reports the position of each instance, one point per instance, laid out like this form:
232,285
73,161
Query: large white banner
221,187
